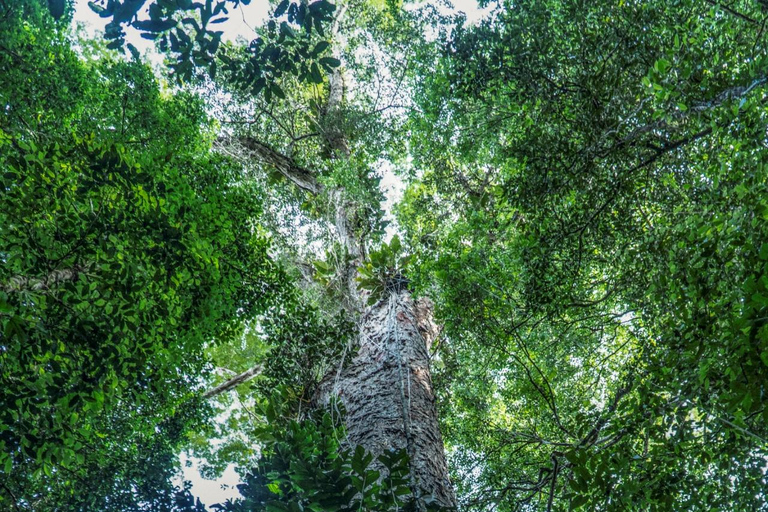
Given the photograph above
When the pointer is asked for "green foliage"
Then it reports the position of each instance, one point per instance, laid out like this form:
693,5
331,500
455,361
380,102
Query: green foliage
306,343
383,271
130,467
304,466
329,270
126,248
356,174
187,30
295,344
50,14
587,209
590,221
280,50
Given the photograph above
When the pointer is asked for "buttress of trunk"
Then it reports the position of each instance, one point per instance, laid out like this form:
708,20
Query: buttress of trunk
387,393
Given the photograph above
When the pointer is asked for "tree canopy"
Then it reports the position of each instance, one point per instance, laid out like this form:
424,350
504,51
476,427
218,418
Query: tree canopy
592,216
191,257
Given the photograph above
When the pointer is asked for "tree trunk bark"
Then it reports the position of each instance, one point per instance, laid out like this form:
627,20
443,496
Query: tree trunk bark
387,394
387,387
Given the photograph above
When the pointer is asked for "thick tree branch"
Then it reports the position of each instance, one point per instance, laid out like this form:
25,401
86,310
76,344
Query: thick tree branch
591,437
299,176
37,284
328,122
732,11
336,79
234,382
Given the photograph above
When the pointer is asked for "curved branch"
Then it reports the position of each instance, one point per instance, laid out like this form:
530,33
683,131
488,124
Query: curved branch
726,95
36,284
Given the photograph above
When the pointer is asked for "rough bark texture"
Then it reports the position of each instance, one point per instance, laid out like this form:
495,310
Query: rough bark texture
387,388
39,284
387,394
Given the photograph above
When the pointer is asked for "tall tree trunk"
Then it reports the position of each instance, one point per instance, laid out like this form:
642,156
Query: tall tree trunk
387,388
387,393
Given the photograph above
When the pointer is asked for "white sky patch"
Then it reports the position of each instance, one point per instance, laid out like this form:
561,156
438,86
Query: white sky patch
473,12
210,492
240,24
393,188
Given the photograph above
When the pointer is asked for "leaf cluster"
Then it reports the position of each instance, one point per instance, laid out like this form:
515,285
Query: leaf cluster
304,466
125,248
589,222
382,272
186,29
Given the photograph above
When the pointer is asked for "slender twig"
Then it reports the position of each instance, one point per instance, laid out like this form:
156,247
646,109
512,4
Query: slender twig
732,11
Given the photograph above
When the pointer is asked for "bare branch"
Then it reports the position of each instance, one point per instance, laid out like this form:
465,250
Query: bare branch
234,382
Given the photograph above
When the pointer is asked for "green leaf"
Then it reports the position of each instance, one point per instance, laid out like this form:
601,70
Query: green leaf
578,501
155,25
763,253
98,9
56,8
281,8
330,62
315,75
286,30
320,48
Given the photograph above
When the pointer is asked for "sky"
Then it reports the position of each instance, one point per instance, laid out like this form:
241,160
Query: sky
239,24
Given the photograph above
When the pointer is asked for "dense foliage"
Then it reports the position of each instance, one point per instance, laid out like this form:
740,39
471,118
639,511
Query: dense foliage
304,465
126,247
585,203
292,43
592,220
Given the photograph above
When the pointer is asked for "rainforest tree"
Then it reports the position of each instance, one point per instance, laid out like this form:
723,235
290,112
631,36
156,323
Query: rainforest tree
322,147
572,295
119,146
591,220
